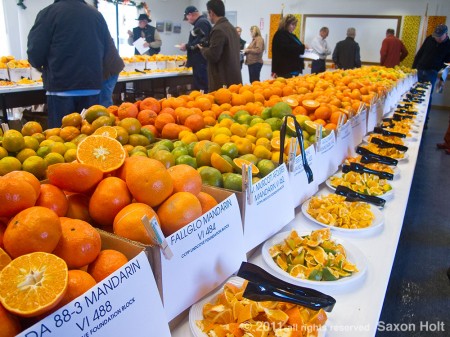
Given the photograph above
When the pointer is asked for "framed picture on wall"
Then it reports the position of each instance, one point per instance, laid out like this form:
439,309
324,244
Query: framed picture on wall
177,28
160,26
168,26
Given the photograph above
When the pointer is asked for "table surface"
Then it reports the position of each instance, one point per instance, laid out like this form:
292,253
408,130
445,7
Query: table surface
359,303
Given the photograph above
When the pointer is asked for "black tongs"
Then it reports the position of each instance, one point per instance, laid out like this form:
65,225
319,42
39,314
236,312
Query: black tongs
263,286
355,167
385,145
400,117
139,71
405,111
370,157
355,196
384,132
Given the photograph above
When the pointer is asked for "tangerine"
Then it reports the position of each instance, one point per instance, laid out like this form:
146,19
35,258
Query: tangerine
15,196
185,179
127,110
78,207
78,283
74,177
26,176
53,198
10,324
105,153
207,201
106,263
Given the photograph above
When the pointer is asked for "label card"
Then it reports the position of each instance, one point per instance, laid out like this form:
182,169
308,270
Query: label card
372,118
151,65
205,253
272,207
325,166
4,76
301,190
127,303
344,143
16,74
358,128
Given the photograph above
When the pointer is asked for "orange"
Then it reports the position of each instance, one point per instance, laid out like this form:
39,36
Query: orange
3,224
33,284
4,259
310,104
177,211
53,198
80,243
30,128
171,131
195,122
128,224
107,131
169,111
10,324
26,176
207,201
185,179
109,197
74,177
102,152
203,103
31,230
150,103
127,109
106,263
78,283
146,117
69,132
330,126
323,112
148,181
163,119
15,196
222,96
78,207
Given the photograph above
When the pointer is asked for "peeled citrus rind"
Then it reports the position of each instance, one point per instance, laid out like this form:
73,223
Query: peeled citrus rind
103,152
32,284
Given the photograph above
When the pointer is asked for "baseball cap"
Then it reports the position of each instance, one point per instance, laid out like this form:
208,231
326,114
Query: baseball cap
440,30
189,10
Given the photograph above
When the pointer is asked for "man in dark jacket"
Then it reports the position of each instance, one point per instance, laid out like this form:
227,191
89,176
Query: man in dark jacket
346,54
68,43
222,54
195,59
148,33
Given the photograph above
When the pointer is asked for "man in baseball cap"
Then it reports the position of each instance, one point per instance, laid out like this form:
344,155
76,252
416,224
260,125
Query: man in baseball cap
189,10
439,31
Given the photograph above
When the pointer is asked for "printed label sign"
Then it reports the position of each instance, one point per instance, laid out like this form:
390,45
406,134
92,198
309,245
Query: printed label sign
4,76
325,166
301,190
344,143
358,128
270,209
372,117
117,306
205,253
17,74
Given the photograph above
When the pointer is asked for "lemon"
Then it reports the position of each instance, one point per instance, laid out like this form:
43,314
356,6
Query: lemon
204,134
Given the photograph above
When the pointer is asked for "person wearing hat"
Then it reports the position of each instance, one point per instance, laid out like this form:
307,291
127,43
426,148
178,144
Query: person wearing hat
201,29
434,52
149,33
223,51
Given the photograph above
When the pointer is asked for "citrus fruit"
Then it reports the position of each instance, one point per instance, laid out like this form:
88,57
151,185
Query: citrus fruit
128,224
177,211
185,179
221,163
148,181
78,207
31,143
10,324
232,181
106,263
74,177
73,119
78,283
13,141
265,166
26,176
9,164
230,149
207,201
105,153
15,196
95,112
4,259
53,198
30,128
109,197
32,284
107,131
186,159
55,158
239,162
80,243
211,176
35,165
281,109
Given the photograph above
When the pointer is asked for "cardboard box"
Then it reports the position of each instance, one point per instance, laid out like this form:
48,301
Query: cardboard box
16,74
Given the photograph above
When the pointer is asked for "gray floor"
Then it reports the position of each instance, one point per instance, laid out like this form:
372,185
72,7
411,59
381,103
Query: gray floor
417,301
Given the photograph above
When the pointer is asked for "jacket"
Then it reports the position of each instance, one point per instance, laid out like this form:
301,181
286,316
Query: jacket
113,63
432,55
255,51
346,54
194,56
286,51
68,43
224,67
149,32
392,52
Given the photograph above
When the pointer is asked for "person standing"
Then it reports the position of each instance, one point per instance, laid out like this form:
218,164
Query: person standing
68,43
286,49
320,46
112,66
393,51
241,43
148,33
222,54
346,55
254,54
195,59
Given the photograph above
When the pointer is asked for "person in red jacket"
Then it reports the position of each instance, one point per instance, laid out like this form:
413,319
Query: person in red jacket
392,51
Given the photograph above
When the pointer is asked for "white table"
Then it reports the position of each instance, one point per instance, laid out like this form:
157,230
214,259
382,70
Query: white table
358,304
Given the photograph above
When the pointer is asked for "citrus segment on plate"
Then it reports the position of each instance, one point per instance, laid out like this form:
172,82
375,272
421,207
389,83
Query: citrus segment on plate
103,152
32,284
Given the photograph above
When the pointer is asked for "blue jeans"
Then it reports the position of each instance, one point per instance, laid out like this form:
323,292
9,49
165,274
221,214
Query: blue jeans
60,106
253,71
428,76
318,66
107,91
200,75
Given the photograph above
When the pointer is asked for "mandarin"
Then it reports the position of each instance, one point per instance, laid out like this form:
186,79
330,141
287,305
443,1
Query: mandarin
207,201
78,283
185,179
80,243
15,196
74,177
78,207
126,110
26,176
10,324
53,198
147,117
106,263
150,103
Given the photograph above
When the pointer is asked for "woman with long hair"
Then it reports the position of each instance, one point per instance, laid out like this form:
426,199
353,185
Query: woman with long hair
254,54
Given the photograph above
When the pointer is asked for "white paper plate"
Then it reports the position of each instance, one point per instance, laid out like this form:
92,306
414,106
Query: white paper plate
354,255
377,222
196,311
386,196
